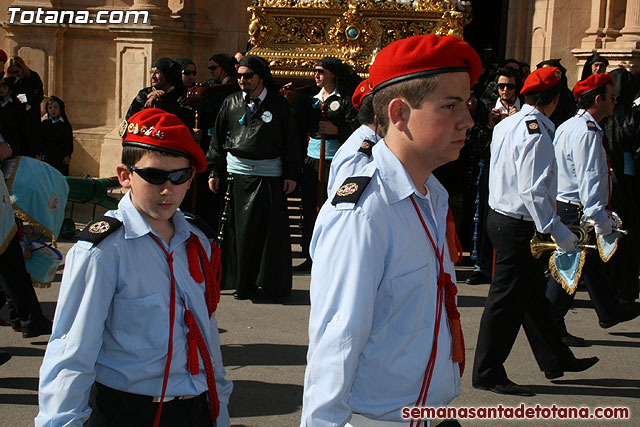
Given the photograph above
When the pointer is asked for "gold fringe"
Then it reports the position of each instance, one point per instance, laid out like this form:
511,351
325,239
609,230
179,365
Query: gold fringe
601,249
556,275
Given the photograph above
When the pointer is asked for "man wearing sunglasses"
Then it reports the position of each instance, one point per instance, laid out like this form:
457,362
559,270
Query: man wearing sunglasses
508,102
255,144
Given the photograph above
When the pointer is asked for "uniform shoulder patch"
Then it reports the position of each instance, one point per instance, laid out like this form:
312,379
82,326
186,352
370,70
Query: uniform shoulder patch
591,125
533,127
97,230
201,224
366,147
351,190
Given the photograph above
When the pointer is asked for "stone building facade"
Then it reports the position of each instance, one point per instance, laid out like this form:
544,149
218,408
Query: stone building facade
97,69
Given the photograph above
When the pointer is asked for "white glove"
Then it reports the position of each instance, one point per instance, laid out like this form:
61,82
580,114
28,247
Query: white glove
568,244
605,228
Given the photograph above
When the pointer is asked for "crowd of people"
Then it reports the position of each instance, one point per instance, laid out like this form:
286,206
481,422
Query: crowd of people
375,162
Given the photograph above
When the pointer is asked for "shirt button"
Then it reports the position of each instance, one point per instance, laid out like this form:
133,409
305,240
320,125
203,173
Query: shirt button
335,318
63,336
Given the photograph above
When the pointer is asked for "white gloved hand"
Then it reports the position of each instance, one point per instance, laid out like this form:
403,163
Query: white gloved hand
605,228
568,244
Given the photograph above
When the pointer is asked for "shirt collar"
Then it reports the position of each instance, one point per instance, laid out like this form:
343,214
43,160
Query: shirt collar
636,102
59,119
588,117
398,183
136,226
320,94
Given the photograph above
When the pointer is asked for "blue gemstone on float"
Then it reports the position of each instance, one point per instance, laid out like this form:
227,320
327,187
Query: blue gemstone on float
353,33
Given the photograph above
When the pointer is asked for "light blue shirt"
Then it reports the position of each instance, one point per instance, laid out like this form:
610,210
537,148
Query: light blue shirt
112,322
348,151
583,174
523,171
373,301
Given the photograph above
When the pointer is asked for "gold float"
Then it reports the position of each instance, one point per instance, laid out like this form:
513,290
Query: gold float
292,35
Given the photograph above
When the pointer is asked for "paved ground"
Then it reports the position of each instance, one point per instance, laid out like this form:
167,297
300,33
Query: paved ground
264,350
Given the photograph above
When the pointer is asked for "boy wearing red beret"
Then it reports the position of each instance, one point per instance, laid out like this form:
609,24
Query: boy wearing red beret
522,197
384,330
135,339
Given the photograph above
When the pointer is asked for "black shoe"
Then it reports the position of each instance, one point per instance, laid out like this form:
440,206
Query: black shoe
477,278
573,341
40,327
305,267
507,388
4,357
240,295
578,365
628,312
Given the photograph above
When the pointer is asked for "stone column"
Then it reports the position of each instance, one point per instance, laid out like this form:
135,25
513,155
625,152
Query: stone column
196,15
630,38
595,31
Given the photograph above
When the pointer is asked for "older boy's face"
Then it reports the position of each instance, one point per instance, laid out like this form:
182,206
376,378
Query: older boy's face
156,203
438,128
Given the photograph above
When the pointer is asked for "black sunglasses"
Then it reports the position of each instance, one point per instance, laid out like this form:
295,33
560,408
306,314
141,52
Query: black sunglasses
158,176
504,86
247,76
319,71
212,67
189,72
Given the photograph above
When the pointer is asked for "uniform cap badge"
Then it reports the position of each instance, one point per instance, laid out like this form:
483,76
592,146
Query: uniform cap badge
99,227
122,130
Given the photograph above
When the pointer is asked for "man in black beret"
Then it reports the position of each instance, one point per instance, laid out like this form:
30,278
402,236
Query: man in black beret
255,143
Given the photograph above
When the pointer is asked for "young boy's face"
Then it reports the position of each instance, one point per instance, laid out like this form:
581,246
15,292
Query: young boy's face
156,203
53,109
438,128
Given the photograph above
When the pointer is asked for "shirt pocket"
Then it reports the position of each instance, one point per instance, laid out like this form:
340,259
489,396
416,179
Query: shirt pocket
413,301
138,323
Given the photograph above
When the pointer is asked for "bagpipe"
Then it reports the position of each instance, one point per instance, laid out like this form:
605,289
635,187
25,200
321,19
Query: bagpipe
566,267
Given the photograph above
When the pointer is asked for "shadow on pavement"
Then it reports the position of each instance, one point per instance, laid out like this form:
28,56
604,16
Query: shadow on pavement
19,383
611,343
264,355
603,382
19,399
257,398
604,391
470,301
25,351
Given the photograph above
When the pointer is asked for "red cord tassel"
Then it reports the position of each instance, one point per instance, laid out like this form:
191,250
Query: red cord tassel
192,354
193,244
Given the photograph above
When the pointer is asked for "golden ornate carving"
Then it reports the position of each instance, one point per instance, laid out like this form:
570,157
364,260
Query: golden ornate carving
292,35
353,33
297,30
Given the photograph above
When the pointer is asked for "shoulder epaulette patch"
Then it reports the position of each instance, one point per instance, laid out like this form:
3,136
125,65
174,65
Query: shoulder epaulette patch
591,125
97,230
200,223
366,147
351,190
533,127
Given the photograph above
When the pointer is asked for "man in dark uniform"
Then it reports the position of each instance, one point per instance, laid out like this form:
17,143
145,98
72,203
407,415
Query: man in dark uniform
166,92
329,115
522,197
255,140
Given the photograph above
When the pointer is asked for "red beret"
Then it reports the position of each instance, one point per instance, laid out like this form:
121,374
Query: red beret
155,129
3,56
363,89
592,82
422,56
541,79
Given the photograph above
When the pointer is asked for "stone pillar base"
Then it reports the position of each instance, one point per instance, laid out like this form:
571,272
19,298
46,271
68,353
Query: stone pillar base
111,153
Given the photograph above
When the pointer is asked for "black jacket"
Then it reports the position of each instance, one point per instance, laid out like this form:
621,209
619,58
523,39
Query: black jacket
57,143
267,132
174,102
339,111
14,129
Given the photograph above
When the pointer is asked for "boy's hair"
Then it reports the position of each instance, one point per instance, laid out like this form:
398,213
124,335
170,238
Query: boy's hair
413,91
131,155
544,97
366,116
587,99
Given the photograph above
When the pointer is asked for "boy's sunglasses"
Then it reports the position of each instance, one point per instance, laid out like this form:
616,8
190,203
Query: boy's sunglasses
504,86
189,72
158,176
247,76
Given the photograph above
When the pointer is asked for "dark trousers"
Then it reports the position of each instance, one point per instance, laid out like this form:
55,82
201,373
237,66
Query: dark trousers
310,199
16,284
114,408
257,246
516,297
593,274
